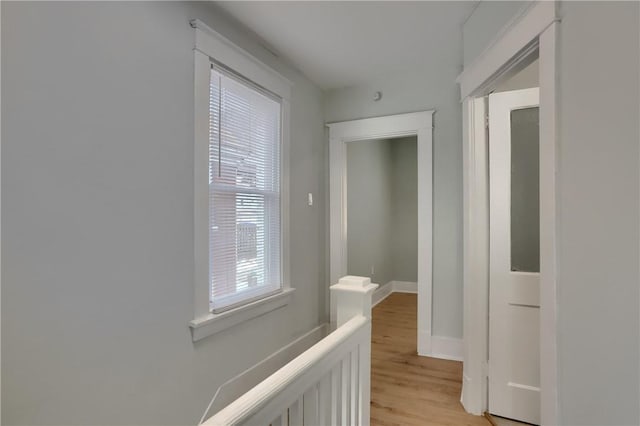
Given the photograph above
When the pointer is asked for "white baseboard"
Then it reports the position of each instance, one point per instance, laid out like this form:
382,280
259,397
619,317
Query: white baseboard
447,348
393,287
238,385
424,343
441,347
471,405
405,287
381,293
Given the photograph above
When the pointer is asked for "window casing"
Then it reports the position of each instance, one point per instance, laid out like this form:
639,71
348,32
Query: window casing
241,182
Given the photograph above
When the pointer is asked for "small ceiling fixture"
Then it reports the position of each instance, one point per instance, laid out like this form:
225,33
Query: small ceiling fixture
377,96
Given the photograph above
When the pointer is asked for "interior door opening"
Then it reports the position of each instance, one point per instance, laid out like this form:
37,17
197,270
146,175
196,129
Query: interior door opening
415,126
532,37
382,211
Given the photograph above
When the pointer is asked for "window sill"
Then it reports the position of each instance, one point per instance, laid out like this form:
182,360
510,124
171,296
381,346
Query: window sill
215,323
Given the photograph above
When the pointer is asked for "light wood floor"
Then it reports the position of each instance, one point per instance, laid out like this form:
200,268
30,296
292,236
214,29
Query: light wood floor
407,389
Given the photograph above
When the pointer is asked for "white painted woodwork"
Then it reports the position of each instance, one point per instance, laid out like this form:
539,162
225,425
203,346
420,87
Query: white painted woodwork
538,24
236,386
548,225
476,256
514,296
418,124
324,400
513,43
309,407
213,323
215,45
211,45
447,348
327,384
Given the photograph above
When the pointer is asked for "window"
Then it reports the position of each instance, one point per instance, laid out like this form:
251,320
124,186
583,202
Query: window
241,139
244,191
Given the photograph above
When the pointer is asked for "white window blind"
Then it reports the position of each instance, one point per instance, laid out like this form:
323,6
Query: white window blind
244,191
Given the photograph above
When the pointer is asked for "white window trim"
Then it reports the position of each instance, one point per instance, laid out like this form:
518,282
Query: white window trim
211,45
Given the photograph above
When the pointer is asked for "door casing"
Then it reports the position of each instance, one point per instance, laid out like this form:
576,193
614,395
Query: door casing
535,28
418,124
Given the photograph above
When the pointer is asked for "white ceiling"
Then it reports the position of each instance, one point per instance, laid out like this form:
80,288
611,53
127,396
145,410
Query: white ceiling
339,44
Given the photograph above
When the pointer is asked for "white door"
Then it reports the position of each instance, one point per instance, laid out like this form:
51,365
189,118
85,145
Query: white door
514,252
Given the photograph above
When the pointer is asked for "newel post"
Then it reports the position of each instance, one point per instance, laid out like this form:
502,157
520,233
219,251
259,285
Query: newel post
353,297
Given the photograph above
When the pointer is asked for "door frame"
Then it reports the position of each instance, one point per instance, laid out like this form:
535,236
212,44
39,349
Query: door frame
535,28
418,124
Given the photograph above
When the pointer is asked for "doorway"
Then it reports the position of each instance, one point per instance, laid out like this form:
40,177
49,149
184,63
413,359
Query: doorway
382,212
419,126
533,33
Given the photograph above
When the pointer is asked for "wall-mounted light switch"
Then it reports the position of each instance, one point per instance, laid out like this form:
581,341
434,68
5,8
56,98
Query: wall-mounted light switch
310,199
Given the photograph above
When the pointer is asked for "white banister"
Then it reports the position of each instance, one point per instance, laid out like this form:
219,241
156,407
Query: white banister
353,297
329,384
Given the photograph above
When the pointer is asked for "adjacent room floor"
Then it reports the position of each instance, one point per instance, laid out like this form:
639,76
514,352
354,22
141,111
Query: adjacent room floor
407,389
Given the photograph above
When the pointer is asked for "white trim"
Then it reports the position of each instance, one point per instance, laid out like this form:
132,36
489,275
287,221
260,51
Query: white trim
210,45
285,249
416,123
475,254
390,126
387,289
447,348
548,226
0,244
241,383
201,185
226,52
515,41
537,26
405,287
424,343
276,393
382,293
214,323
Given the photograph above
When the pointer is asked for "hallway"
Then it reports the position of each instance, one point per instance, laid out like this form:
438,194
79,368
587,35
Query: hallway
407,389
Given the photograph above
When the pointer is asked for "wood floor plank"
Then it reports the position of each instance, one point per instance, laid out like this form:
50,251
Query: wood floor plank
407,389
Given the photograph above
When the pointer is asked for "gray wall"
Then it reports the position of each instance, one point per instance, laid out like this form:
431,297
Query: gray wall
369,209
598,205
97,220
382,209
483,25
419,90
404,238
598,188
